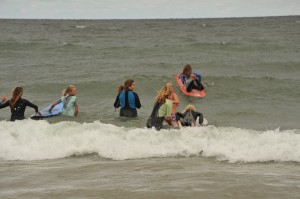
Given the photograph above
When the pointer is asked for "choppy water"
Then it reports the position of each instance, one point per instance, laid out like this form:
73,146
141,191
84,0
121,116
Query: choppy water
250,68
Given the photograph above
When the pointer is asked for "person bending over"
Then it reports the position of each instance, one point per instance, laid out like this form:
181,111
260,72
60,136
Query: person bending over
162,109
189,117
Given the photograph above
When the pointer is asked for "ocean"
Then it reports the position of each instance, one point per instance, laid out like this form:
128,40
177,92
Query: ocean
250,148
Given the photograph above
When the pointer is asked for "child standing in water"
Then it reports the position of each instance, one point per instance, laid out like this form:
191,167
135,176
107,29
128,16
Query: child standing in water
127,99
18,105
69,101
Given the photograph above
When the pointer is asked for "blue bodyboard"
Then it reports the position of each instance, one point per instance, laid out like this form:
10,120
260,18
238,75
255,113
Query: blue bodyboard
57,110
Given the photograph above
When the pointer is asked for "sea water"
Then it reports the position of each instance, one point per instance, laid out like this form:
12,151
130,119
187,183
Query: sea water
250,69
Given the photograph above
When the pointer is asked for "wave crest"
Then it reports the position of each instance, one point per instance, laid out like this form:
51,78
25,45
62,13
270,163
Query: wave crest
39,140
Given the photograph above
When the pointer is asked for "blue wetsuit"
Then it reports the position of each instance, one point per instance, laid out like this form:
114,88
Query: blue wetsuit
17,112
128,101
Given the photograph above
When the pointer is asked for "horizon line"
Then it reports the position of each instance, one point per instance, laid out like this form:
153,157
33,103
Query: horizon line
267,16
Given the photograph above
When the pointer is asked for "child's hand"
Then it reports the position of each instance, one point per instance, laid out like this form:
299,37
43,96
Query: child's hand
193,76
3,98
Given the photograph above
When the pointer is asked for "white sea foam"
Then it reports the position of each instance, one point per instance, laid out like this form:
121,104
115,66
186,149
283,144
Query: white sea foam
38,140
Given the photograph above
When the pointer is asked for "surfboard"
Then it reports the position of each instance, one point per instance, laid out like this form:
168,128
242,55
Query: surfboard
57,110
193,93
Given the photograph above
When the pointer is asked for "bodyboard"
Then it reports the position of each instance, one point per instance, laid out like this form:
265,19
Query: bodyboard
57,110
193,93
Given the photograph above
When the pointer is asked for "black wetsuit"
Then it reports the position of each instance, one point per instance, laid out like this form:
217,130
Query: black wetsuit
186,121
154,120
128,101
195,84
18,110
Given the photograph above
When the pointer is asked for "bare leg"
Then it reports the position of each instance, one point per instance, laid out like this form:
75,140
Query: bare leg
179,124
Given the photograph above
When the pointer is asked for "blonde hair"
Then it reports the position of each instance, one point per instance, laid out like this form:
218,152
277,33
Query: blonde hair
163,94
68,90
15,96
189,108
170,85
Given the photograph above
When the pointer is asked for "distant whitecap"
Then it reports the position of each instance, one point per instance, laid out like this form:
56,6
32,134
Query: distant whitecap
80,26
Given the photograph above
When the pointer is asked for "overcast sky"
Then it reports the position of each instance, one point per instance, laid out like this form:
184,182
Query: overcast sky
145,9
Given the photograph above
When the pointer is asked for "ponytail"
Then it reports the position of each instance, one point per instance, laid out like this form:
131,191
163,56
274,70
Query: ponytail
120,88
16,95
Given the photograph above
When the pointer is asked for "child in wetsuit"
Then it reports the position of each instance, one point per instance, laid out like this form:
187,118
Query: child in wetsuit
127,99
162,109
191,80
189,117
18,105
69,100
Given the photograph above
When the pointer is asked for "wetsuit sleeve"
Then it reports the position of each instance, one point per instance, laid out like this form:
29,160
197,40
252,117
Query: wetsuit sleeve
198,75
200,115
5,104
117,102
137,100
182,78
179,115
28,103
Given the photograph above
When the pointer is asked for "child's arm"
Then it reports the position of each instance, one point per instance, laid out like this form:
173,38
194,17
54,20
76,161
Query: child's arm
175,99
4,105
198,75
76,110
54,104
117,101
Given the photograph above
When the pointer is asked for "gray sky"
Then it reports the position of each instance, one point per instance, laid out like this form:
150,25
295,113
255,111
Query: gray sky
144,9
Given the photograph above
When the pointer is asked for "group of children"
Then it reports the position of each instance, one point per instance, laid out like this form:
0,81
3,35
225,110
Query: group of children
18,105
166,102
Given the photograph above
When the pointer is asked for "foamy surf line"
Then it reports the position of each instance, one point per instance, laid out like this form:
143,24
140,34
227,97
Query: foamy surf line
39,140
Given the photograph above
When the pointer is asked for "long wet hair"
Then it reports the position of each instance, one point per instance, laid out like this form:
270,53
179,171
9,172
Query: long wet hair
68,90
120,88
187,70
163,95
170,85
16,95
